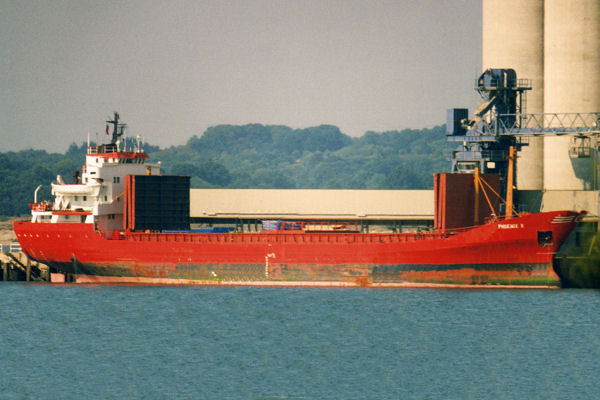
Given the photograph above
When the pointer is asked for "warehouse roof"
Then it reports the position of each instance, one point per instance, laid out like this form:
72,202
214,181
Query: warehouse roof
312,204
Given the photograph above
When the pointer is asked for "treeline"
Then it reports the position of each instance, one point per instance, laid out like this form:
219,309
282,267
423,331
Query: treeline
21,172
256,156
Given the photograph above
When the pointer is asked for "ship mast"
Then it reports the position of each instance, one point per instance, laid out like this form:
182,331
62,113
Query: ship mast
117,128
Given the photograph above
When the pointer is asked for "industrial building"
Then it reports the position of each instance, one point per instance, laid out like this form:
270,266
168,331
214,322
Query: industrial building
370,210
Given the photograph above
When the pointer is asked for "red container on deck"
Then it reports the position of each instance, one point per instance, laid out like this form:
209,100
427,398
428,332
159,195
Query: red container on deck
455,200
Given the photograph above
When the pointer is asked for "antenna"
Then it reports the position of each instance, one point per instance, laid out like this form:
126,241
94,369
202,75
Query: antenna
124,133
118,129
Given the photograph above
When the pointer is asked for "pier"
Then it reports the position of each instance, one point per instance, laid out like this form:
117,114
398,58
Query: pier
16,266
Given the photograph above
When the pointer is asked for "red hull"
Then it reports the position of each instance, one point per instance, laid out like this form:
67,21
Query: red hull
516,251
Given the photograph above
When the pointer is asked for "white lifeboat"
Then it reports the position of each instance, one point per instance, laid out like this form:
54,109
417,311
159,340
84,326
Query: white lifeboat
76,189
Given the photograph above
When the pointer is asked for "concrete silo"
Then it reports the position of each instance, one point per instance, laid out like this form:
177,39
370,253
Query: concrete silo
572,85
513,37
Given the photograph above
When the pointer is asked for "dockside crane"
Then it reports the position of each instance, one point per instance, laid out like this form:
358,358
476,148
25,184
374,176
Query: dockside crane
501,123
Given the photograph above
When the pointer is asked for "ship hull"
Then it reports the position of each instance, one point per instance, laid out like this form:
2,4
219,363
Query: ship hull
514,252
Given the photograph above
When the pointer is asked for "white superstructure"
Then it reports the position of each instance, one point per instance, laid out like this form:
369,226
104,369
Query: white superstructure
97,194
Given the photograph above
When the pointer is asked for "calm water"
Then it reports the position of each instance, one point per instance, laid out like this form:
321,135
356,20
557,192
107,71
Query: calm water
80,342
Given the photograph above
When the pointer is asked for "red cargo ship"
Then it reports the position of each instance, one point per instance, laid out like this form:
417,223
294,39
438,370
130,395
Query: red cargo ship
103,229
515,252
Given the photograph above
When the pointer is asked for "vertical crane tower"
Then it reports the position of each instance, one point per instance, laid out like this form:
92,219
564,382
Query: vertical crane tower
500,123
484,144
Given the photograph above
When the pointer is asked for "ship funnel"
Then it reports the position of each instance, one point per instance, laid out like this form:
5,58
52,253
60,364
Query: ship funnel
37,189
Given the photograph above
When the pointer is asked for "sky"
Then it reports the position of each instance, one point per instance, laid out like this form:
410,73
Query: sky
174,68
